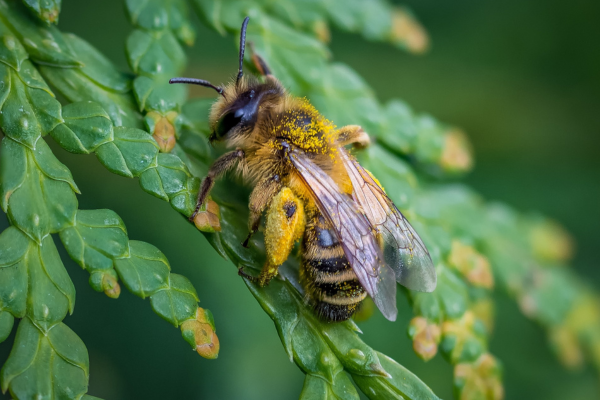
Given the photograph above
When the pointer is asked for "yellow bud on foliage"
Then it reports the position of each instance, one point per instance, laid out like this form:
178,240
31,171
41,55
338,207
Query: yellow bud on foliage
322,31
208,217
551,242
426,337
163,129
456,153
484,311
481,379
566,346
111,287
471,264
200,334
407,31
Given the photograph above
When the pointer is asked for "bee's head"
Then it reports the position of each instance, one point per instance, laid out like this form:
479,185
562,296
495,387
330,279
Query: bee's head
236,112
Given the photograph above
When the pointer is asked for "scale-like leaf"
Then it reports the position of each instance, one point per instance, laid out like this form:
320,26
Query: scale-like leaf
52,363
45,10
145,271
155,56
34,201
159,15
98,237
130,153
14,246
177,302
6,324
43,42
98,80
87,126
27,111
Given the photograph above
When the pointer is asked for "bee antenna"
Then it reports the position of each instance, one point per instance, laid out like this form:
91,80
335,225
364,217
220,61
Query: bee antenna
201,82
242,49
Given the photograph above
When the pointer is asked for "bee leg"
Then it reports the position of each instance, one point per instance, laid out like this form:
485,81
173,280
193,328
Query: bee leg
285,225
260,198
353,134
246,275
219,167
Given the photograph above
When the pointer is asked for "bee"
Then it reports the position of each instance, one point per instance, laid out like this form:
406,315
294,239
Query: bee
355,242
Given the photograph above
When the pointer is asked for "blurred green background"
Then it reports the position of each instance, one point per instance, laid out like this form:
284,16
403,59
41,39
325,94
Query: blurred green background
521,78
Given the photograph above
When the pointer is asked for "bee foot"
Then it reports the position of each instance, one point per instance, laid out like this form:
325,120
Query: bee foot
246,275
246,242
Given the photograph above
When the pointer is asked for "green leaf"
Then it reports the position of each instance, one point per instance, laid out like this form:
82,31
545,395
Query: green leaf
87,126
154,53
6,324
159,15
45,10
34,279
110,156
130,153
46,364
151,182
448,301
155,93
138,148
145,271
34,201
27,111
343,97
98,237
316,387
172,180
294,58
464,339
373,21
97,80
43,42
96,66
402,383
173,173
176,303
213,13
401,131
14,246
321,348
49,165
51,291
12,52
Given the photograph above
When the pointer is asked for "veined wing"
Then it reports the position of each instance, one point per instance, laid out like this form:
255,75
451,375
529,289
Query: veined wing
403,249
354,233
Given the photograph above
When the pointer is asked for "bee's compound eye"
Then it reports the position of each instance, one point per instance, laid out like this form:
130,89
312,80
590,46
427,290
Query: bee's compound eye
228,122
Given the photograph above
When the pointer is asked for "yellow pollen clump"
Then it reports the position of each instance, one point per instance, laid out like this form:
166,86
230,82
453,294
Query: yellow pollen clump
308,129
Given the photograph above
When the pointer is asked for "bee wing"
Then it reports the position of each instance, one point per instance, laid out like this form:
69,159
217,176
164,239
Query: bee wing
403,249
354,233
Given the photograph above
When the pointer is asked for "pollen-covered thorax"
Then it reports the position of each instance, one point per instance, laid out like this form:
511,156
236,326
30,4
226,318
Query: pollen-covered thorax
303,126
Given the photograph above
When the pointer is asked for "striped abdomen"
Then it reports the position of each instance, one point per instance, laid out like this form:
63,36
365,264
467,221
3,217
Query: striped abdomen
328,278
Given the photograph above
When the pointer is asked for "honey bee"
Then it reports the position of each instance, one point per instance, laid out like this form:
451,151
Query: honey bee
355,242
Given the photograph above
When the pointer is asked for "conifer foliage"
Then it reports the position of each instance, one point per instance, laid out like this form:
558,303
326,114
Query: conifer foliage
139,126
